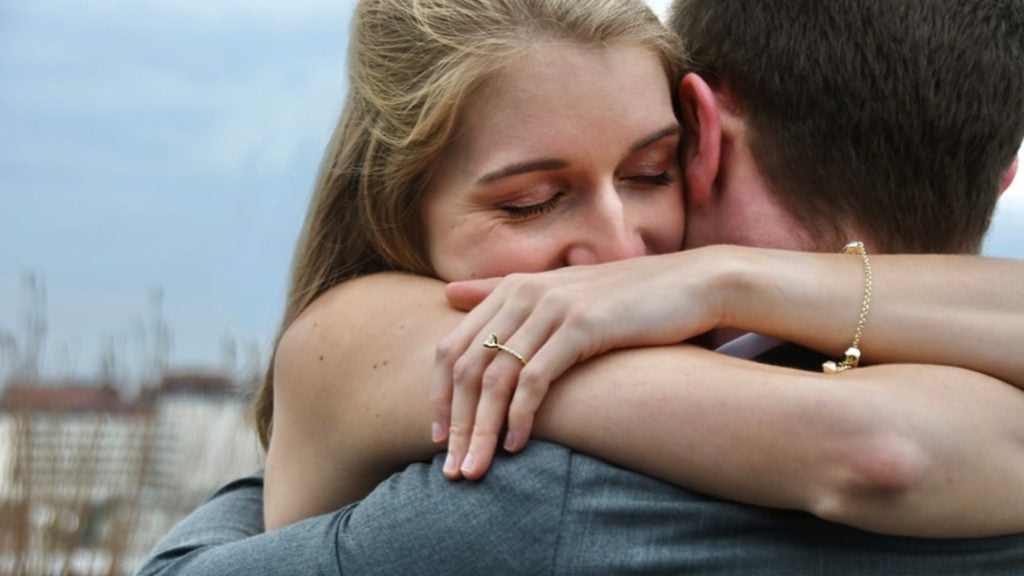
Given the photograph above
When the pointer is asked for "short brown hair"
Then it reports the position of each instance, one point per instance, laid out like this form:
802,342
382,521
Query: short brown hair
898,117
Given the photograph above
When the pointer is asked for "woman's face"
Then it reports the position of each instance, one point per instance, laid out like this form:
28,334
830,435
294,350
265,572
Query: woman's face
567,157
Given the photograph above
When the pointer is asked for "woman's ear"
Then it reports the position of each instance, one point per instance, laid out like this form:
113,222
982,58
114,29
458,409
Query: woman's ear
702,136
1010,173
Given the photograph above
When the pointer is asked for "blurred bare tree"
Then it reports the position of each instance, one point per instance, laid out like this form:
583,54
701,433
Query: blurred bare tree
93,472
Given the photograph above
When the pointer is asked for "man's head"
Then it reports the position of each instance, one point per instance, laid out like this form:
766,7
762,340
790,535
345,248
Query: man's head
898,120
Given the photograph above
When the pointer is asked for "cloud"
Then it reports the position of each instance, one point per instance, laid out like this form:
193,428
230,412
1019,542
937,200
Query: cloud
164,144
660,7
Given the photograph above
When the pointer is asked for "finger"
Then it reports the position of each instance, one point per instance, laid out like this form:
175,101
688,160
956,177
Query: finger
497,385
467,377
557,354
449,350
463,414
467,294
484,374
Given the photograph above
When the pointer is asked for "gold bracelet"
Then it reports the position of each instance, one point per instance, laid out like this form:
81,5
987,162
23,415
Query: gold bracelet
853,352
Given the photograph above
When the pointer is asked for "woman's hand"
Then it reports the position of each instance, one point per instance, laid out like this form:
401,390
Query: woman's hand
554,320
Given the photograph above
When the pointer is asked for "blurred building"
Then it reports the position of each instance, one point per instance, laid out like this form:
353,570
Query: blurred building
89,481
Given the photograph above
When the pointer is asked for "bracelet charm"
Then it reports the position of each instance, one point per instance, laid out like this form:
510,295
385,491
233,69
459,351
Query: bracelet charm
848,363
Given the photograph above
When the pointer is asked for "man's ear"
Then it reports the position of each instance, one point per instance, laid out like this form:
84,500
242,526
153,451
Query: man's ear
703,136
1010,173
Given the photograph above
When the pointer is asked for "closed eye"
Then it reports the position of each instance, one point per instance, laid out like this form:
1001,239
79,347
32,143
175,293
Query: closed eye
523,212
663,179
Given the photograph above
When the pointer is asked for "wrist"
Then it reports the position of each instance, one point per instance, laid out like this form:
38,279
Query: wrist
738,286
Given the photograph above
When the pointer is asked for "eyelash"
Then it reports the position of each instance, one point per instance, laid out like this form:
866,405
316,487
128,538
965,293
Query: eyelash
521,212
663,179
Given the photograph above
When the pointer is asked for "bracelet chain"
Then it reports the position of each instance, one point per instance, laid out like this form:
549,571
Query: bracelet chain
852,358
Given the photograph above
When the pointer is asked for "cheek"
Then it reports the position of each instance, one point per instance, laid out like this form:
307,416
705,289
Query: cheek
481,251
510,250
664,222
504,260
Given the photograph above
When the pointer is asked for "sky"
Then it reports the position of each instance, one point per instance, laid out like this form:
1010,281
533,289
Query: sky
159,150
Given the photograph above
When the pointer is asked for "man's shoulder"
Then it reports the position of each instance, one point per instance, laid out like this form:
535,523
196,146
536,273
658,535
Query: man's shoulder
551,510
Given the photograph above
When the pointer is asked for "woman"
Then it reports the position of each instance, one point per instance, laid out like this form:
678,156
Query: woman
515,136
442,118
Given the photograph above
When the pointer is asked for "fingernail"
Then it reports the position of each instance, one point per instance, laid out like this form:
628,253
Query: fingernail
510,441
437,432
449,464
467,464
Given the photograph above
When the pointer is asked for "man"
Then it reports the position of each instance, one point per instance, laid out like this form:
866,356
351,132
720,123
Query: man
809,120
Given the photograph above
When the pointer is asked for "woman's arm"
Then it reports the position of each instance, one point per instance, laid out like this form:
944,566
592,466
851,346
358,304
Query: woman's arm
949,310
351,393
900,449
964,311
346,421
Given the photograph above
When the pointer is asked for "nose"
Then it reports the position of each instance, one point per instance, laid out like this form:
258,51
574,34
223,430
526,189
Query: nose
606,232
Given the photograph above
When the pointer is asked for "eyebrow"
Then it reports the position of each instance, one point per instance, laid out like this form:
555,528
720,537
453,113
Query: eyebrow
545,164
541,165
647,141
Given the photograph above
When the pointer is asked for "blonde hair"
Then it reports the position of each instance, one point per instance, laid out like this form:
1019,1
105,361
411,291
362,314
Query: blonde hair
413,64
